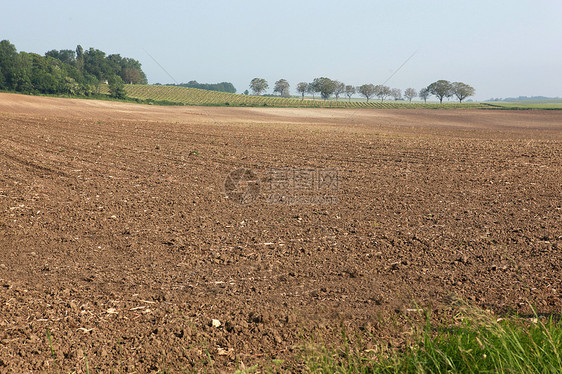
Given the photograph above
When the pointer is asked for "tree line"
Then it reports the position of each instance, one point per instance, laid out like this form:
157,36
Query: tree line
80,72
70,72
220,87
326,88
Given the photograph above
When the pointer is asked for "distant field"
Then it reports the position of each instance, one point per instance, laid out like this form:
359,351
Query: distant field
173,95
523,105
193,96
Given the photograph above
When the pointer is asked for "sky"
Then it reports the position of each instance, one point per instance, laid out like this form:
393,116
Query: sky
503,48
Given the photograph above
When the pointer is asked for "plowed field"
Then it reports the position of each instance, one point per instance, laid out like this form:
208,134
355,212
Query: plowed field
119,236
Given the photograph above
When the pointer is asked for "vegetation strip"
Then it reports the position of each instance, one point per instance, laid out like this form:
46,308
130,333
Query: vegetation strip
481,343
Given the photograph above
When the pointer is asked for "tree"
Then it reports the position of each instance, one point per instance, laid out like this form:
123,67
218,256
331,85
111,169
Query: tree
66,56
65,71
96,64
117,87
424,94
325,86
410,93
2,80
8,66
339,89
282,86
21,76
71,87
258,85
367,90
441,89
131,71
220,87
350,91
382,91
462,90
46,74
312,88
302,88
396,93
131,75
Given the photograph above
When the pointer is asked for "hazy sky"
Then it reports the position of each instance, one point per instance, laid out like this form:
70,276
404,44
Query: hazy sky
502,48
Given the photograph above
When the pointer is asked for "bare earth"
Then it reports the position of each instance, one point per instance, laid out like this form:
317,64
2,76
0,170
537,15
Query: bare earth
117,236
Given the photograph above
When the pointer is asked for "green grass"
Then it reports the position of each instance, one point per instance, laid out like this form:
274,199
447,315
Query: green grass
53,355
524,105
480,344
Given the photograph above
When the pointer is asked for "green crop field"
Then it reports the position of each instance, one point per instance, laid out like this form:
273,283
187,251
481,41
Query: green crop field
173,95
525,105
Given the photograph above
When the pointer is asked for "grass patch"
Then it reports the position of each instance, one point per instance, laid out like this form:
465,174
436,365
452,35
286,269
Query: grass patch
479,343
524,105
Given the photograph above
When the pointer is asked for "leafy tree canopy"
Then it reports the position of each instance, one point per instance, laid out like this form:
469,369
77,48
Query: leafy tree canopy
410,93
462,90
382,91
117,87
325,86
302,88
258,85
441,89
350,91
282,87
66,71
424,94
220,87
367,90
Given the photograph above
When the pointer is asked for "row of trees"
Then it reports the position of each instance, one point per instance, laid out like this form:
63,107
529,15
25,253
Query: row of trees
327,87
72,72
445,89
220,87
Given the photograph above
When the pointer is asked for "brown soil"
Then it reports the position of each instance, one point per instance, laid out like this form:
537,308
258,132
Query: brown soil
116,234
